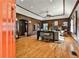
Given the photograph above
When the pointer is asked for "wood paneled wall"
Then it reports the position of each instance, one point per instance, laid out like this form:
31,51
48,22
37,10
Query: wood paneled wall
60,22
30,25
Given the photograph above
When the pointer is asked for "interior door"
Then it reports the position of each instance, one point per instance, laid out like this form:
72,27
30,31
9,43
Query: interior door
22,27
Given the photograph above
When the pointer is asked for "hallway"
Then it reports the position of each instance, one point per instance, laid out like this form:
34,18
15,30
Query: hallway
29,47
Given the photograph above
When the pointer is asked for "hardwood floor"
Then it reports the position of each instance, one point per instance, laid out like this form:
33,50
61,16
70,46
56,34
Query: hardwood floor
29,47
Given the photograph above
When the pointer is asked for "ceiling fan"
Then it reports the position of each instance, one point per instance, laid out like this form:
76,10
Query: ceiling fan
47,14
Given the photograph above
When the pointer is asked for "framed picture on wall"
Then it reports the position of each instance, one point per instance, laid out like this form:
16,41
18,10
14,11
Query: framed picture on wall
55,23
65,24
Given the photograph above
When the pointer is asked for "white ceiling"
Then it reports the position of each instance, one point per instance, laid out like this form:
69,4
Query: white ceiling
44,7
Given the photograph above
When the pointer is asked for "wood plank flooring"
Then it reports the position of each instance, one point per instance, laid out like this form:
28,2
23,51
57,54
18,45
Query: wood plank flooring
29,47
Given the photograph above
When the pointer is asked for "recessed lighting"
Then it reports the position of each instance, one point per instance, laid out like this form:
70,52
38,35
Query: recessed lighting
54,7
22,0
51,0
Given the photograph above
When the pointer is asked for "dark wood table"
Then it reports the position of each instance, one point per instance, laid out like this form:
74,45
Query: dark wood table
53,33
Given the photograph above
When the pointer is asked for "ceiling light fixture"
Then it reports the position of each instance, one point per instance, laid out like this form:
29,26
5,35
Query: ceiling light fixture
16,19
51,0
30,22
54,7
22,0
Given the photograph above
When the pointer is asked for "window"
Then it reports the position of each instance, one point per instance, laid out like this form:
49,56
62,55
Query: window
78,26
65,24
74,23
45,26
72,26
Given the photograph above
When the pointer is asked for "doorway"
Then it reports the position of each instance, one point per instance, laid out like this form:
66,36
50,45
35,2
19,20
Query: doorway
21,28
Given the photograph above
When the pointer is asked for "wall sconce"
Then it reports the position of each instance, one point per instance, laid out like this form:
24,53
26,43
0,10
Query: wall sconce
16,19
30,22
